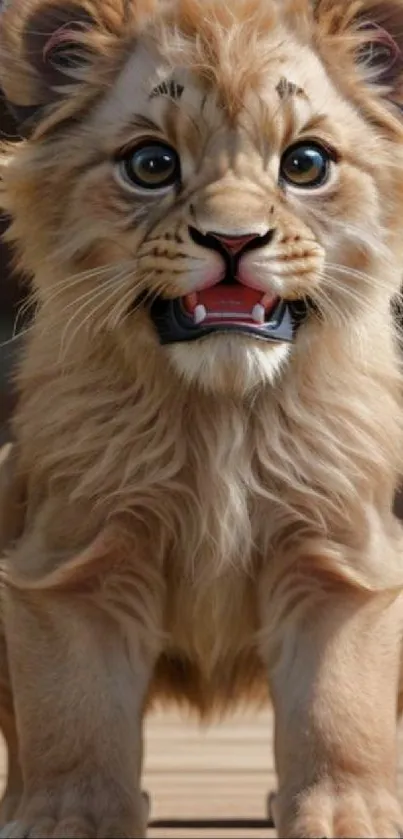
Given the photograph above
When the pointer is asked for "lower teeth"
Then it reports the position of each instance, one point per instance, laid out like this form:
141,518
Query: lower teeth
199,314
259,313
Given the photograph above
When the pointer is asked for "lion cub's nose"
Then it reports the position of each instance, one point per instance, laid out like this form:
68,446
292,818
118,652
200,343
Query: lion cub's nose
232,245
235,244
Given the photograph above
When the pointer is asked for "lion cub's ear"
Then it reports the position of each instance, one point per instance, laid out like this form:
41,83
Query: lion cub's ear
372,32
51,50
43,47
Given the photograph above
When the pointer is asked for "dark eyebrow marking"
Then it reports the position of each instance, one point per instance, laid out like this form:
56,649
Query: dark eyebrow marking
286,89
171,88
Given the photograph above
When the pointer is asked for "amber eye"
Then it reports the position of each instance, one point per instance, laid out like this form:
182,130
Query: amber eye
151,166
306,165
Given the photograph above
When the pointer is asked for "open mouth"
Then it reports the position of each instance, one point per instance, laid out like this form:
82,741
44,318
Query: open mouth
229,303
227,307
199,315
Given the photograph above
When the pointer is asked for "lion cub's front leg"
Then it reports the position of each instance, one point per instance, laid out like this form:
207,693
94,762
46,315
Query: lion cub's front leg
80,677
334,676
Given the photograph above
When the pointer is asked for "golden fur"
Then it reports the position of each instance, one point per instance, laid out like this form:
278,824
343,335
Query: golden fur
204,521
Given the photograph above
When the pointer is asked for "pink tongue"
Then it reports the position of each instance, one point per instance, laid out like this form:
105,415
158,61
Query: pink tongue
229,298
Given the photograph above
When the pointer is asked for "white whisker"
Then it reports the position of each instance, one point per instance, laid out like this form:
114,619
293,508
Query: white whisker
75,279
348,271
347,292
328,307
111,282
114,318
105,293
119,312
15,337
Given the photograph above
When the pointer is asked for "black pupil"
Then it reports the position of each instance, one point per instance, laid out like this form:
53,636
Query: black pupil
153,166
305,166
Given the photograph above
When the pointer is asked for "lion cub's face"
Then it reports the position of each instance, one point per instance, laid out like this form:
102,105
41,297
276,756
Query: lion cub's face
220,179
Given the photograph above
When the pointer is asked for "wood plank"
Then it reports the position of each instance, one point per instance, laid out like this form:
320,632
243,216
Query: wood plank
209,834
209,795
225,771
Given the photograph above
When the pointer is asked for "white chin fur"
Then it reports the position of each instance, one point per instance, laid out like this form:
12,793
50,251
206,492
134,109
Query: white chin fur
229,362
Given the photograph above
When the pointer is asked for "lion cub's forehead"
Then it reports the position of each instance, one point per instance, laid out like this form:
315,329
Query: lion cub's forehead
278,81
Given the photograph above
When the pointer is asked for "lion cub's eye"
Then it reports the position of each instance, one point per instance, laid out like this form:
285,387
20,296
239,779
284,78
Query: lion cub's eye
306,165
150,166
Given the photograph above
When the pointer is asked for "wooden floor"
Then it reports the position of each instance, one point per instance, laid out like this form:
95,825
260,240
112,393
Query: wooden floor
223,772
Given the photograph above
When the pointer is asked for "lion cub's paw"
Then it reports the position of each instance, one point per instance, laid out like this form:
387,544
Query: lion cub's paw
342,811
48,816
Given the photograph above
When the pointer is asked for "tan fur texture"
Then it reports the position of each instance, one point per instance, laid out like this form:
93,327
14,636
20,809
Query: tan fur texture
204,522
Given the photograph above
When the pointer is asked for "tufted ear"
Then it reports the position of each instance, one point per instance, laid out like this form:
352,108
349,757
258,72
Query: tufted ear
49,47
372,32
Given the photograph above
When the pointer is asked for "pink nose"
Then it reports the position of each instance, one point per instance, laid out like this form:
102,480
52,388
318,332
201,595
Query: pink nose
234,244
